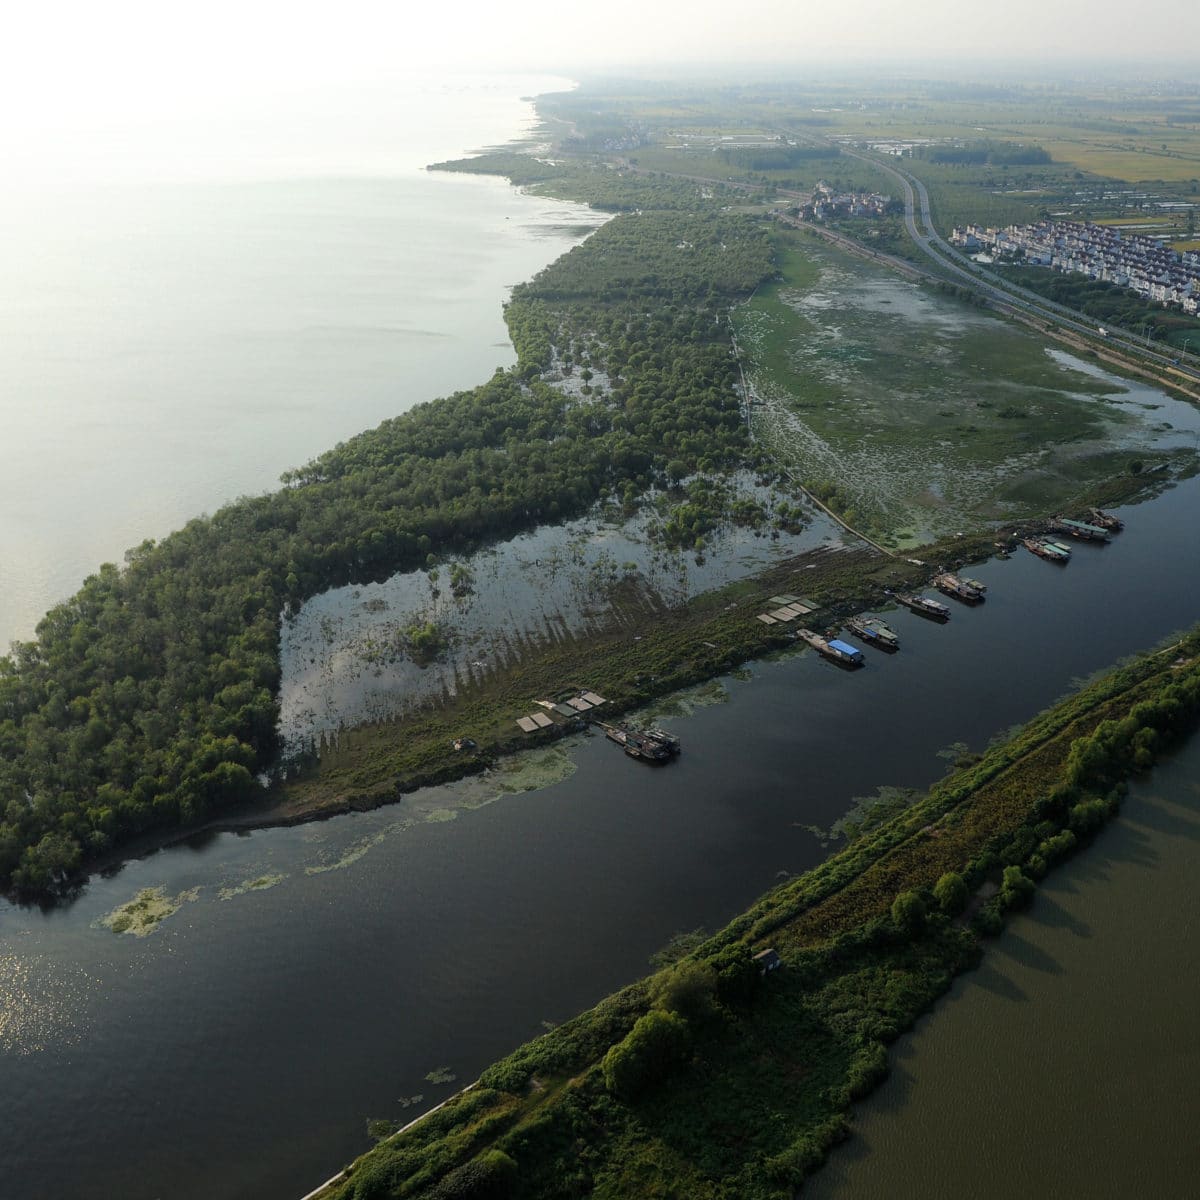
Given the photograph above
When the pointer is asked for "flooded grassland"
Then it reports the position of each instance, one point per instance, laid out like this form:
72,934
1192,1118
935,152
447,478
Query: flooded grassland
915,414
923,416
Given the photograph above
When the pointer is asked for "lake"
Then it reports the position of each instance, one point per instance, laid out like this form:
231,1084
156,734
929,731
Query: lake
170,340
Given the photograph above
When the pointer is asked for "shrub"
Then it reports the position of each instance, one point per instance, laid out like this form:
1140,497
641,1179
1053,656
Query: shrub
1017,888
652,1047
491,1176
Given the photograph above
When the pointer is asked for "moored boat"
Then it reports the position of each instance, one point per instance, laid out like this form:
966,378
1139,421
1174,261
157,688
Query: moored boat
1044,548
924,605
637,743
1079,529
874,631
668,741
960,589
836,651
1106,520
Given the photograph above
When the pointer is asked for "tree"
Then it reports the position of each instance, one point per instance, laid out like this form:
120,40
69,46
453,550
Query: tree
651,1048
908,912
689,989
951,893
1016,889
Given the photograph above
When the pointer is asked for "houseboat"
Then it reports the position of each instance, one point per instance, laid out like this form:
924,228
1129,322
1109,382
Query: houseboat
1044,548
637,743
960,589
874,631
924,605
836,651
1079,529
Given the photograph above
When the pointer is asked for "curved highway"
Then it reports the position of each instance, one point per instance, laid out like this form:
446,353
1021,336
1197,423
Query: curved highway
1001,290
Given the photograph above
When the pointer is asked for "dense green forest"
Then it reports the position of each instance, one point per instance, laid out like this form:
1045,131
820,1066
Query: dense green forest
148,700
713,1080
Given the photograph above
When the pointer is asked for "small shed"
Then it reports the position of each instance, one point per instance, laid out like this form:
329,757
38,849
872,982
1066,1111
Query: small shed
768,961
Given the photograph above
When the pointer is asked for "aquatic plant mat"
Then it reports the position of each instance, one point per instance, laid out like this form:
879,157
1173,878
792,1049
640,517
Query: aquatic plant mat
723,1077
915,415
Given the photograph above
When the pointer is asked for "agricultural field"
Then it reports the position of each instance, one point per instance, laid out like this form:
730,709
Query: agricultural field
1115,150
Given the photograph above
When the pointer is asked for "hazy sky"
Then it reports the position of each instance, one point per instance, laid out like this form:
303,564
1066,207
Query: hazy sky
81,62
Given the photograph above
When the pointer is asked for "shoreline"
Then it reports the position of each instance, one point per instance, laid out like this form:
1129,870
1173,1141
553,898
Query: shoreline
988,834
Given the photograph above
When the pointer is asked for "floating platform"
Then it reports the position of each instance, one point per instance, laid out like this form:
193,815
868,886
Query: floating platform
1106,520
648,745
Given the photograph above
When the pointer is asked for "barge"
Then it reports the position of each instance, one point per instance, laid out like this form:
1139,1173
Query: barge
874,631
836,651
924,605
641,743
960,589
1044,548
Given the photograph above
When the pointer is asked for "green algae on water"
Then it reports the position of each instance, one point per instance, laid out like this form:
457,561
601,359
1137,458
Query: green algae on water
352,853
142,915
261,884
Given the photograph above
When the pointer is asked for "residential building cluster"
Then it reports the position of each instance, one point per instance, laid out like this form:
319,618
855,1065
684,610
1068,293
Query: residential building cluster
828,202
1142,264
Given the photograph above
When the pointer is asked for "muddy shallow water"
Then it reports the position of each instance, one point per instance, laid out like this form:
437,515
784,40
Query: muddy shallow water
342,664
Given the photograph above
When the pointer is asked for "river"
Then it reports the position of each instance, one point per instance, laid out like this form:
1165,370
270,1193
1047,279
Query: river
1067,1064
239,1050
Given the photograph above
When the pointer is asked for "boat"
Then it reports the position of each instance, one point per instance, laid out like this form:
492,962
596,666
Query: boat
874,631
637,743
1044,548
1106,520
924,605
1079,529
667,740
836,651
974,583
960,589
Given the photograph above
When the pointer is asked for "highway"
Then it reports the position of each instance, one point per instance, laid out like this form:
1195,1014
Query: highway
998,290
1001,290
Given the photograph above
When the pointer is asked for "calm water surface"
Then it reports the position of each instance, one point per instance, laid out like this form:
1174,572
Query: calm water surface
1067,1064
168,344
239,1050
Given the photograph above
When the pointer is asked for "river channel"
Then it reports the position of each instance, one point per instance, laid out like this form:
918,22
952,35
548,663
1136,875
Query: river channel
1067,1064
314,977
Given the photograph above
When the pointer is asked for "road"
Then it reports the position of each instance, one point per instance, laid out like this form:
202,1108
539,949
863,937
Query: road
1002,290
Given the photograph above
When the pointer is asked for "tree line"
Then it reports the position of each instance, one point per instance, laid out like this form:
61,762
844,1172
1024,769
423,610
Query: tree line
149,699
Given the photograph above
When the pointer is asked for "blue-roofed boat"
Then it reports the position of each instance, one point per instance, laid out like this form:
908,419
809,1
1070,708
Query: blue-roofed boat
835,650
